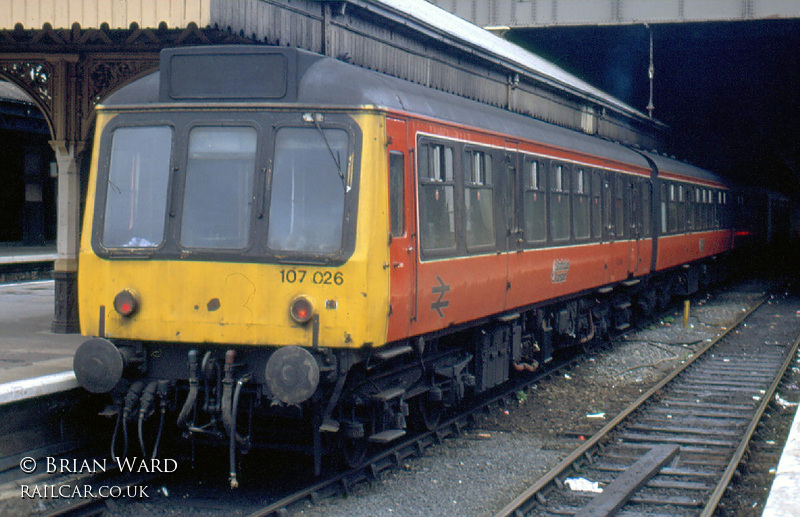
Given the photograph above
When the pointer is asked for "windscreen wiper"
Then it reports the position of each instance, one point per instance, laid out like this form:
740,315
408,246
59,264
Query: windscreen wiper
334,155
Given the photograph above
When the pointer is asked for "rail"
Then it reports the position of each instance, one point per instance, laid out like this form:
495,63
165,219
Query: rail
674,450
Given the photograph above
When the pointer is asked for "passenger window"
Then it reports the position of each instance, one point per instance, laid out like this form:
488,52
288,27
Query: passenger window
559,203
715,208
672,207
397,193
681,208
580,204
436,197
478,199
535,202
724,218
698,209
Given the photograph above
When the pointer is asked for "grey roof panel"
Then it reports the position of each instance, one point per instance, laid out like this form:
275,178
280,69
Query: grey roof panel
335,83
324,81
671,165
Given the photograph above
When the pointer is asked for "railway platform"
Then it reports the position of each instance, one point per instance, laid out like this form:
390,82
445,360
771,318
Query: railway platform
33,360
19,255
783,500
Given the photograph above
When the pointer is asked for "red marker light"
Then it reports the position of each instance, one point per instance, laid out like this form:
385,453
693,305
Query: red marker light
301,309
126,303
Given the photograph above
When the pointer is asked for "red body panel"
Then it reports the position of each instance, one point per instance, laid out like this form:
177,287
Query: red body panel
674,250
403,248
430,295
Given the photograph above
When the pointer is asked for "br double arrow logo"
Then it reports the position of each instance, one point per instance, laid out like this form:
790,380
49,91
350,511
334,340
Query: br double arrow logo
441,290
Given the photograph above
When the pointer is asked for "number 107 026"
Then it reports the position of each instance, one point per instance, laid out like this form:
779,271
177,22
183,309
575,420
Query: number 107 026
299,276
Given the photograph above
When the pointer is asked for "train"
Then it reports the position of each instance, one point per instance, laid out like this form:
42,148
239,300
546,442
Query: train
293,252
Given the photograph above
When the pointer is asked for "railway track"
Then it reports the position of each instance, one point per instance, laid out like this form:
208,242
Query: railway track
674,451
340,484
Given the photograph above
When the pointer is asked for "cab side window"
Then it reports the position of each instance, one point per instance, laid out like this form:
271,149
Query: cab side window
397,193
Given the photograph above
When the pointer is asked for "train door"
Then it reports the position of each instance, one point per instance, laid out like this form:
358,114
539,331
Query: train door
402,238
634,202
608,233
512,225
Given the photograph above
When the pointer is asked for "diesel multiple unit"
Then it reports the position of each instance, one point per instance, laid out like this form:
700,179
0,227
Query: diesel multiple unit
284,250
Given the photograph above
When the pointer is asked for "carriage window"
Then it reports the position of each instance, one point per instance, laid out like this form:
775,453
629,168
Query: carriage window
580,205
597,221
681,208
698,209
138,179
672,210
436,197
559,203
535,203
663,208
397,193
219,187
478,198
308,190
724,219
714,210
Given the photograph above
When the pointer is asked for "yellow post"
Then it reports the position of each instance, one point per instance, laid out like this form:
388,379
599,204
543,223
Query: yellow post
685,313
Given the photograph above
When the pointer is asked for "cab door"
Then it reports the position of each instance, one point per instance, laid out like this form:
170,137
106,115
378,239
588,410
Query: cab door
402,234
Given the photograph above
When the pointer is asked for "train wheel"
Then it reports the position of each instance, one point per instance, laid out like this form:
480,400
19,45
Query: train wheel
354,450
428,410
353,444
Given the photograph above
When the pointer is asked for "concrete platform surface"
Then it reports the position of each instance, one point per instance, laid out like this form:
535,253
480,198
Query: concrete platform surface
28,349
784,496
27,254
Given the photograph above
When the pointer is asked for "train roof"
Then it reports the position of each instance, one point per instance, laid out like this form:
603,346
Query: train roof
670,165
247,74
